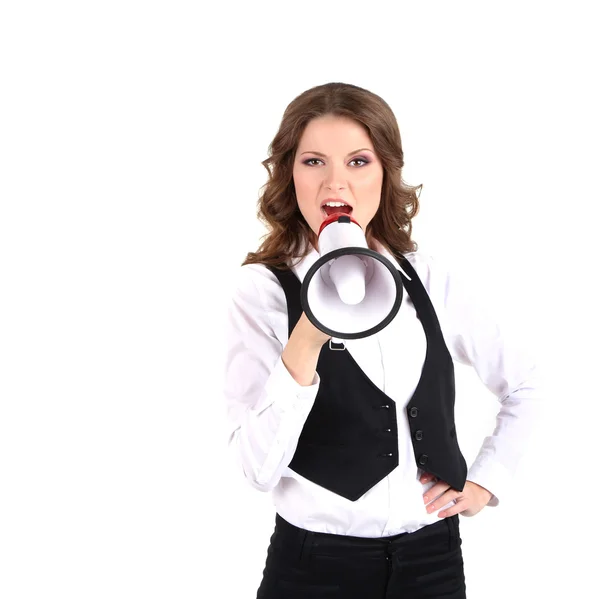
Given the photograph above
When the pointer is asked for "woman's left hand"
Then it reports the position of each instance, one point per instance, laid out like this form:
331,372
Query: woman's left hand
470,501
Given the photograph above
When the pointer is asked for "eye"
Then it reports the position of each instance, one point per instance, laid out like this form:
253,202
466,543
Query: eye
353,160
311,160
360,160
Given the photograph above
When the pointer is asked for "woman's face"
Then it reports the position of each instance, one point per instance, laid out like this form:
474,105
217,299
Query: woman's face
336,159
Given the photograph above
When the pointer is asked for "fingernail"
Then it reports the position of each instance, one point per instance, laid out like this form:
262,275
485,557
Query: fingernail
426,499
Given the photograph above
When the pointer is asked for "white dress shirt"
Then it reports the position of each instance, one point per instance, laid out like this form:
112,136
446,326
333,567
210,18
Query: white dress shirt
267,408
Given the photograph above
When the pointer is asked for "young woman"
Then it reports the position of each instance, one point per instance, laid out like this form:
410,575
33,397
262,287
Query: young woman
359,446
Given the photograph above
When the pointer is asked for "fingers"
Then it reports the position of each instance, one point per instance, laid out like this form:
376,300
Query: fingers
443,500
440,494
451,511
426,477
435,490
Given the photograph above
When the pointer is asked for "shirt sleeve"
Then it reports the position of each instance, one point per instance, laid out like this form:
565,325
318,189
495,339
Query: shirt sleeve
266,406
503,358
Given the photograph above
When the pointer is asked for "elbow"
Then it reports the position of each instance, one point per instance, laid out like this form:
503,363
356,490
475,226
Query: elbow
260,480
260,484
255,472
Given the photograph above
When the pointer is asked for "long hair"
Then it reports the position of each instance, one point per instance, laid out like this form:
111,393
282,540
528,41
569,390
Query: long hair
289,235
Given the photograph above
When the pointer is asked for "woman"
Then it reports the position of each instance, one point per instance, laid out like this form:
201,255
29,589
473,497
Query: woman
359,447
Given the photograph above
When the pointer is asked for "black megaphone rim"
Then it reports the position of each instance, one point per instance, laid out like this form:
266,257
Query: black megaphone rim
343,252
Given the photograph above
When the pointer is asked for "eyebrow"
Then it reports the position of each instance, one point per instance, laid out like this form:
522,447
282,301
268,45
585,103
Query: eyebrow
324,156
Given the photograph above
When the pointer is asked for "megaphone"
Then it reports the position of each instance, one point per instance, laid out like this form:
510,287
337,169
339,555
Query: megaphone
351,291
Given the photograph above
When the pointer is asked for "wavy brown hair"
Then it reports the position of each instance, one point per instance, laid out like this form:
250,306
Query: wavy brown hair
278,209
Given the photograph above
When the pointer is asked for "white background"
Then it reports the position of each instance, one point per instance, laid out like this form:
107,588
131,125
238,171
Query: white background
131,136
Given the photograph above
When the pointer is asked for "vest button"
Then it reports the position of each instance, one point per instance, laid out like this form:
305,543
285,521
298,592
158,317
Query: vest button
419,435
423,459
386,406
387,430
414,412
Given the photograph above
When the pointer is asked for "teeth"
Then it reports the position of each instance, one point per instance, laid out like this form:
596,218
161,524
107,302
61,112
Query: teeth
335,204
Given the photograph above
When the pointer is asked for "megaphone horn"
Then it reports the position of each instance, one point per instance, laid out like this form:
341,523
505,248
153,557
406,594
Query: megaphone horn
351,291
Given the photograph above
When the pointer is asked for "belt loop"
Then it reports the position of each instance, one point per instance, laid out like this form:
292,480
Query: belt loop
453,542
307,544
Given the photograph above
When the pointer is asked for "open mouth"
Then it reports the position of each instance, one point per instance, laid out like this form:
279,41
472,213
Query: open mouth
328,210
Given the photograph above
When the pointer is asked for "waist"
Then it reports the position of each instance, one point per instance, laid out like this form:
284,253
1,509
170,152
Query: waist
334,543
392,507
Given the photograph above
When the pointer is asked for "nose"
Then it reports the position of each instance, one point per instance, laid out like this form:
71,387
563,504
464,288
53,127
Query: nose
335,177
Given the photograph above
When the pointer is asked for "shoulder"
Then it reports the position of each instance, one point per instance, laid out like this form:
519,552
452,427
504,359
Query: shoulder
419,260
258,285
250,276
429,269
444,281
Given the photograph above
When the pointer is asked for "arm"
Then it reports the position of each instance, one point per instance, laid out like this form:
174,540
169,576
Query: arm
269,389
505,366
302,350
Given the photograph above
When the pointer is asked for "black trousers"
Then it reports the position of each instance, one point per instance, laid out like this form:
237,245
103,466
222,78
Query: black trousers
423,564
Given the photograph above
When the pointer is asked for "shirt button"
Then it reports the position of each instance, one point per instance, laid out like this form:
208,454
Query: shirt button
413,412
419,435
423,459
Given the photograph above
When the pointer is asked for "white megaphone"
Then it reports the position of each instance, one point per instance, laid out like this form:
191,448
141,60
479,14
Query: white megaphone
351,291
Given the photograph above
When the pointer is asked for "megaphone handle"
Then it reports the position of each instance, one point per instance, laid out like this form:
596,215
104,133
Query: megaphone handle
337,342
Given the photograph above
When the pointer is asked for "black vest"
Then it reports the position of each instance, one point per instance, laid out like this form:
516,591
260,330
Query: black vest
349,442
